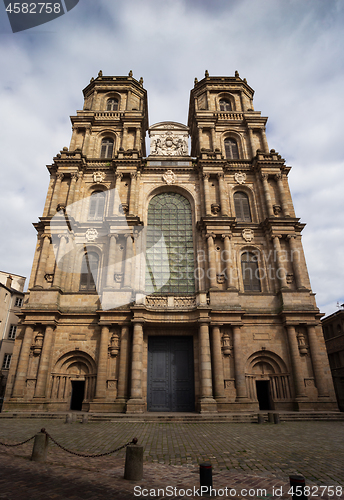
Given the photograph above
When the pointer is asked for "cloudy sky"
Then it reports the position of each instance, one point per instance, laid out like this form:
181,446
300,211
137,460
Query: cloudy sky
290,51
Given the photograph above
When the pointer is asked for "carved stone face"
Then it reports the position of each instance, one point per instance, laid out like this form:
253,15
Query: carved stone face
169,142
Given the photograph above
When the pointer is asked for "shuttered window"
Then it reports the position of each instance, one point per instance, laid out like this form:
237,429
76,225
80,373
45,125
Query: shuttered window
242,207
112,105
225,105
97,205
231,149
170,260
250,272
107,148
89,271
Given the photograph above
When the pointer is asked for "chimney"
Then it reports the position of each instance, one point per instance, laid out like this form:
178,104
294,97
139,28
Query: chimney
9,281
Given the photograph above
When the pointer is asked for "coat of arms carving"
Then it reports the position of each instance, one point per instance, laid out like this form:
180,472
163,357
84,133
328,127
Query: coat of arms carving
169,177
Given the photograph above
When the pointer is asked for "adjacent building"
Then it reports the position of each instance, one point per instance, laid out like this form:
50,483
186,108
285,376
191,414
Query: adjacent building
333,327
11,300
174,281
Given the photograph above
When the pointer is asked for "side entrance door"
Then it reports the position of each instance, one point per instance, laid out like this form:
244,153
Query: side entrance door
170,374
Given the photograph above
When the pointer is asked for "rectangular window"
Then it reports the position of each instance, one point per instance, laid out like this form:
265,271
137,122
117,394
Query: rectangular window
18,302
7,361
13,331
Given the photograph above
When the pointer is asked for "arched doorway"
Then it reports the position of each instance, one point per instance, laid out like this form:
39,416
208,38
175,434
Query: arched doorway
73,380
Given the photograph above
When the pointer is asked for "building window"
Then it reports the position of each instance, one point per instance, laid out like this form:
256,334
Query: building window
7,361
242,207
12,332
225,105
89,271
250,272
97,205
170,260
18,302
107,148
112,105
231,149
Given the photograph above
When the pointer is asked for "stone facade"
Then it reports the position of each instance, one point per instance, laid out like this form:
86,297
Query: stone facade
333,327
173,281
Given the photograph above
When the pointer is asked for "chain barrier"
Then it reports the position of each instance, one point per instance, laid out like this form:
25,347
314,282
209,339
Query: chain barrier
86,455
17,444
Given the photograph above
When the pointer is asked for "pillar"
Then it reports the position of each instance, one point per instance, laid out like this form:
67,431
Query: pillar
265,142
74,178
223,195
296,363
102,363
86,141
111,260
59,262
279,180
56,194
43,260
49,196
136,366
206,194
280,271
295,259
127,262
219,385
318,370
20,380
42,376
132,198
267,195
116,197
123,364
137,139
239,370
228,260
250,135
207,403
211,260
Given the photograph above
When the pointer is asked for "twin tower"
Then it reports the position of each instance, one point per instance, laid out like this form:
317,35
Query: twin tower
173,281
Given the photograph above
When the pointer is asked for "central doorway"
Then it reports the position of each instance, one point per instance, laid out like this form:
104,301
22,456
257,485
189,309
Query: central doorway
78,391
264,395
170,374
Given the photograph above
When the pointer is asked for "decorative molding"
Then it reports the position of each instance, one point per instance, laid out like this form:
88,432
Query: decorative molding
247,234
91,234
240,177
98,177
169,177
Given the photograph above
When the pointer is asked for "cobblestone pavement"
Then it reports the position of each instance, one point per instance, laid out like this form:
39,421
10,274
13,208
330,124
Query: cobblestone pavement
244,456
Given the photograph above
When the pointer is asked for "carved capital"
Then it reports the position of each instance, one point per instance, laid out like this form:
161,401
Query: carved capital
224,236
278,177
205,177
46,235
220,175
210,235
74,176
264,177
118,176
59,177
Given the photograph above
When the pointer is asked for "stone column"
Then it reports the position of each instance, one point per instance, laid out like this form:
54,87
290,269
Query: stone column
124,138
21,373
123,364
132,198
250,135
42,376
137,193
279,180
49,196
116,198
43,260
207,402
239,367
136,365
267,195
295,259
86,141
318,370
219,385
76,209
265,142
280,271
296,363
223,195
206,194
213,138
60,254
111,260
228,260
102,363
127,262
74,178
137,139
211,260
56,194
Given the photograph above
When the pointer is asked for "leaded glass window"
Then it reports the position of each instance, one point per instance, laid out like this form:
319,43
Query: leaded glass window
112,105
170,260
231,149
250,272
89,271
242,207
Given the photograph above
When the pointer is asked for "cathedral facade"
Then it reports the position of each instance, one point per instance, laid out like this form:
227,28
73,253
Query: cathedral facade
173,281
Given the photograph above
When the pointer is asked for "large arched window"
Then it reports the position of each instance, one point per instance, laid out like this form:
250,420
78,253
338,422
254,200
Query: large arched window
250,272
97,205
112,105
107,148
242,207
231,149
225,105
89,271
170,260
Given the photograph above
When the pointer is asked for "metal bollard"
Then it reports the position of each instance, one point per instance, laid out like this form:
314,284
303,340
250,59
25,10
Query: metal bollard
40,447
298,484
260,418
276,418
68,418
133,469
206,477
270,418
